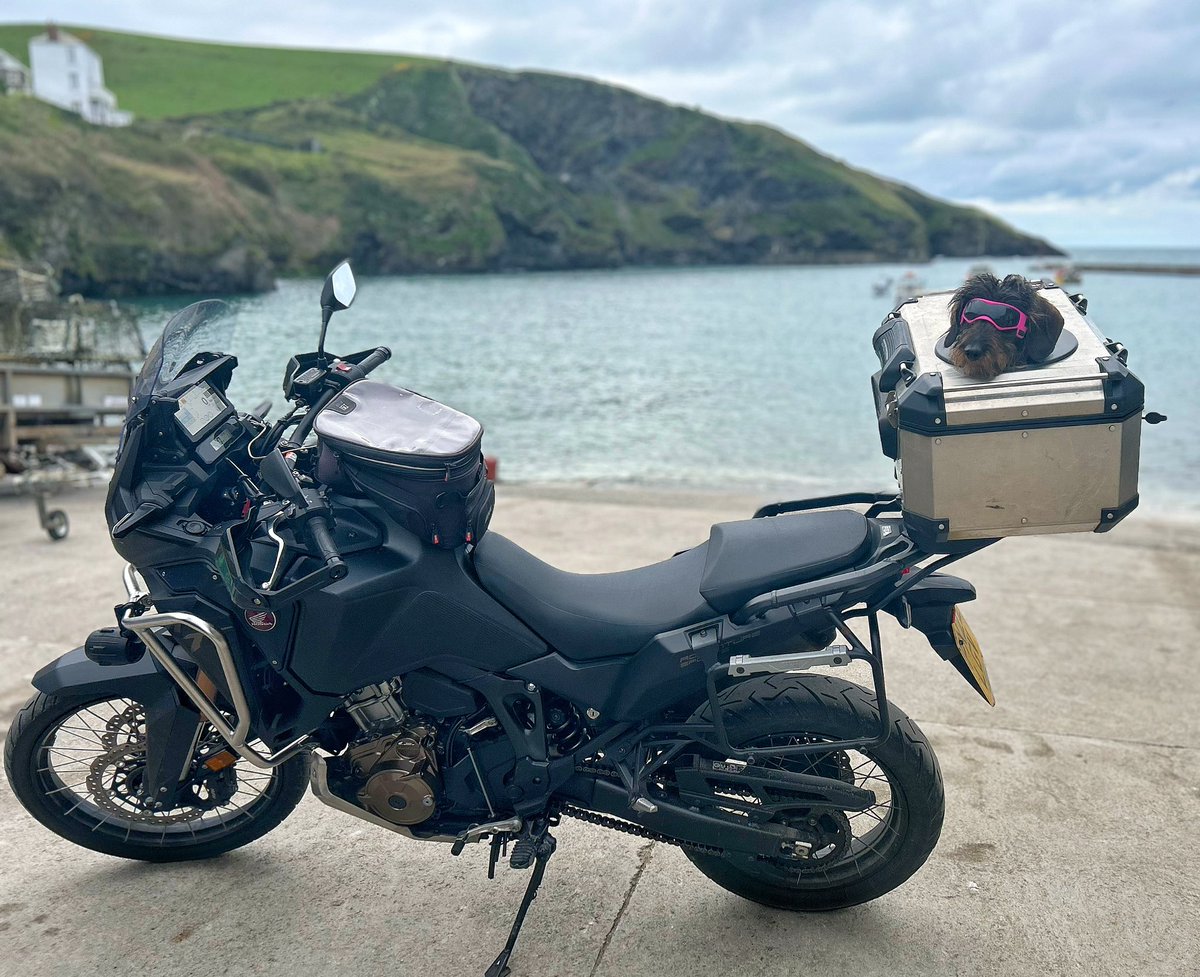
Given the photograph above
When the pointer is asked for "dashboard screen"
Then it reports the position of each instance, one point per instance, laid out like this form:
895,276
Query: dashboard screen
199,407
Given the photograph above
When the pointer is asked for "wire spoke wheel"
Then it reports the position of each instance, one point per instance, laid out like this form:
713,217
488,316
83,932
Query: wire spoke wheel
93,762
849,843
855,856
78,766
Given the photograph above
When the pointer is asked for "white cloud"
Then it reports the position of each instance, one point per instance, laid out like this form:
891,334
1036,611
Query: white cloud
1164,212
963,138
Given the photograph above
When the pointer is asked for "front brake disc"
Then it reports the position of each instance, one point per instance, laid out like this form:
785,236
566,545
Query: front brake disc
115,784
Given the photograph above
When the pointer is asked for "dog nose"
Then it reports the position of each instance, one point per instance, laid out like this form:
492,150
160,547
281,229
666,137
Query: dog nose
974,351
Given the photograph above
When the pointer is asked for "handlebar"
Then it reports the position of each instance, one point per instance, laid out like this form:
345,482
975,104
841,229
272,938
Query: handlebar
347,372
337,379
322,541
314,525
376,359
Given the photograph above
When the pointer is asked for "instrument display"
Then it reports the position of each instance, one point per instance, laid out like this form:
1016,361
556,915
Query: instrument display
198,407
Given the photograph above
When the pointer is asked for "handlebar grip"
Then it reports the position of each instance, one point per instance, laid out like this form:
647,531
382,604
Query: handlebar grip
381,355
318,532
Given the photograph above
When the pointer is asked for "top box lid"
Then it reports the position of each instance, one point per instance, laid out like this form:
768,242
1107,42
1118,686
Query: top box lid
928,319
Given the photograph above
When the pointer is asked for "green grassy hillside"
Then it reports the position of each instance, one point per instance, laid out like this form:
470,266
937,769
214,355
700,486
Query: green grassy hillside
248,162
158,77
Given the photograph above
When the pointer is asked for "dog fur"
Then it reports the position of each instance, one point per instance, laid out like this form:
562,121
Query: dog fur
983,352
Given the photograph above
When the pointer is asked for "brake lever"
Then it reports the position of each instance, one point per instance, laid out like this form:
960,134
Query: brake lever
277,569
249,597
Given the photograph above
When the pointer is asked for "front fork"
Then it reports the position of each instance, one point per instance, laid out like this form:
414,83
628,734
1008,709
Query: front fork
173,724
173,728
176,705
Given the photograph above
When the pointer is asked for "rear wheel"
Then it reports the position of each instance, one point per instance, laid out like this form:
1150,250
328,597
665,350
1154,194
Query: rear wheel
857,856
76,765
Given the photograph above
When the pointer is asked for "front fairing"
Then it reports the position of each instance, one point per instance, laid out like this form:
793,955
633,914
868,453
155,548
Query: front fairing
203,327
187,351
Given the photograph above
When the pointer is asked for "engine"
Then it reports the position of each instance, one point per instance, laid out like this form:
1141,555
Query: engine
393,765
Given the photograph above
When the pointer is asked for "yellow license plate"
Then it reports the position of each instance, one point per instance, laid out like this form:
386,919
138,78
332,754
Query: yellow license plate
972,655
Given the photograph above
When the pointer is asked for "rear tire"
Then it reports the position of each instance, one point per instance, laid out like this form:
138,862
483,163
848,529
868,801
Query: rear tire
829,708
53,780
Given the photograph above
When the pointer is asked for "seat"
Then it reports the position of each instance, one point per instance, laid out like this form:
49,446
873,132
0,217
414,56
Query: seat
593,615
753,556
585,616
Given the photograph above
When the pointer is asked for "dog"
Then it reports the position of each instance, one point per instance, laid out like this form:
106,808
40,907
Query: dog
998,325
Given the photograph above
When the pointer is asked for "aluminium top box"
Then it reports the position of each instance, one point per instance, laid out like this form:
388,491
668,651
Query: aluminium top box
1048,448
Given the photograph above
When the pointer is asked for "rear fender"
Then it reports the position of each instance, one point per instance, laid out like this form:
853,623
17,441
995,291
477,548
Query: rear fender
171,720
930,606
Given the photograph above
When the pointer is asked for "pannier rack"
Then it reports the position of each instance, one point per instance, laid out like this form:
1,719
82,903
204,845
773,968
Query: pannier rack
833,601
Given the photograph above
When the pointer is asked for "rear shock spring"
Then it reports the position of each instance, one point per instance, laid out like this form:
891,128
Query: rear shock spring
564,727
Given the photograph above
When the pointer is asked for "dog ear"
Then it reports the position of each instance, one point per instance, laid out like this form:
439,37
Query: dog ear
956,307
1046,325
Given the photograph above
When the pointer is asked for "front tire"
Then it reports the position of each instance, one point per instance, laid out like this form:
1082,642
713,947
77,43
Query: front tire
73,763
807,708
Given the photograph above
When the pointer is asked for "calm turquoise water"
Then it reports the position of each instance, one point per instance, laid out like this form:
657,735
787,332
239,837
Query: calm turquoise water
731,378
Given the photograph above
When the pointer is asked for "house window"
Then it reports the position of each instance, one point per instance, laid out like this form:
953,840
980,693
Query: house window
71,55
74,80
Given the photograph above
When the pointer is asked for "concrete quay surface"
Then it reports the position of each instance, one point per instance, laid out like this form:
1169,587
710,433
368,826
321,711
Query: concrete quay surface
1070,843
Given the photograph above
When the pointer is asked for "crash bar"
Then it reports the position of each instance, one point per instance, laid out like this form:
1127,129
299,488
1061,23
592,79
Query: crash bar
236,736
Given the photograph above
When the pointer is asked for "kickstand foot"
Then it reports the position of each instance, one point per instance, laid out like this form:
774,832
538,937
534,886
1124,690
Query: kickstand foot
544,846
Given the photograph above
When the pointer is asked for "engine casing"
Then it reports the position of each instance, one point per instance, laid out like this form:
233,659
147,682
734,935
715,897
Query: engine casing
397,775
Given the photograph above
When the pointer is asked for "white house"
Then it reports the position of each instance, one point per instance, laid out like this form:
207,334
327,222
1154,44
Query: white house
69,74
14,76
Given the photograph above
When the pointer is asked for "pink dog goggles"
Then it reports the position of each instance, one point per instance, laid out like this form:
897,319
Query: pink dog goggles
1004,317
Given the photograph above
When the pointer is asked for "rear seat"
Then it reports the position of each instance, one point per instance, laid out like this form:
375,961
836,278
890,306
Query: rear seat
752,556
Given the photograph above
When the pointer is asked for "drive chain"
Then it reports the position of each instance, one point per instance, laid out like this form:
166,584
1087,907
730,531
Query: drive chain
616,824
637,830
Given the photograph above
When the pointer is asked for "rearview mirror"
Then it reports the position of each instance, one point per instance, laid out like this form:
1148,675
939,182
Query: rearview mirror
339,289
338,293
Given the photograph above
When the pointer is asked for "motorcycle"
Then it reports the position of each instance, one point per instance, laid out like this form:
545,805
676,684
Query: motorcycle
316,603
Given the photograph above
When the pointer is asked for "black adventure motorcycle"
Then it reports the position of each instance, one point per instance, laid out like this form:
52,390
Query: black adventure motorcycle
329,611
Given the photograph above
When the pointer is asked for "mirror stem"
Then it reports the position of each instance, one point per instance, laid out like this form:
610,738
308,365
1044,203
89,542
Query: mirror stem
326,315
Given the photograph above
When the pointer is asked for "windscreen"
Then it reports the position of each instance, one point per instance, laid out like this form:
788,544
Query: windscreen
204,327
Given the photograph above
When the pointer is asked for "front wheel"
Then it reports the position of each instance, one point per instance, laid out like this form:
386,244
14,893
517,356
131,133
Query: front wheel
75,764
865,853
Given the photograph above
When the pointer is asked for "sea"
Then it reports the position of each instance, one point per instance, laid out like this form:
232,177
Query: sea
742,379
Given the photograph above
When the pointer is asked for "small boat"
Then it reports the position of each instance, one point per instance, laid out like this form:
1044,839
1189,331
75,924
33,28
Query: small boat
880,287
1067,275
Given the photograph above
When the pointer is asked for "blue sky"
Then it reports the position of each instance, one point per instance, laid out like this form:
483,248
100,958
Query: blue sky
1077,121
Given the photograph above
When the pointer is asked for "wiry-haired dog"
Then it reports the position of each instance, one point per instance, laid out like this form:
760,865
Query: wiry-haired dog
997,325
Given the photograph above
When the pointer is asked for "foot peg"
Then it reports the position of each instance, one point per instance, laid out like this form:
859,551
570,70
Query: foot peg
492,828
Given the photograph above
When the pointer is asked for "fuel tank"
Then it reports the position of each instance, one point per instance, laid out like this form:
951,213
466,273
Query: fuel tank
402,606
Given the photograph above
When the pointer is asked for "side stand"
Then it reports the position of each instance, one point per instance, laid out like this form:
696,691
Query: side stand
544,845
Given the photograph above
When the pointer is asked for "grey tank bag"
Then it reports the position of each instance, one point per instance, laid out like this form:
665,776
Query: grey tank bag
419,459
